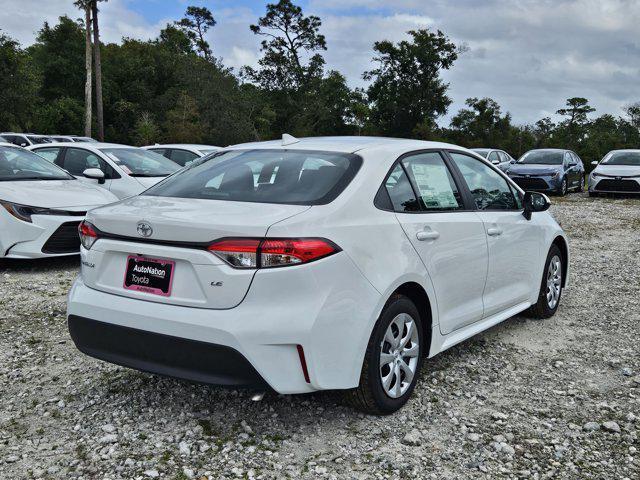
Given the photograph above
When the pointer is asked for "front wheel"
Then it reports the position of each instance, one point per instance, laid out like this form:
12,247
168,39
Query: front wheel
392,361
551,286
581,187
564,186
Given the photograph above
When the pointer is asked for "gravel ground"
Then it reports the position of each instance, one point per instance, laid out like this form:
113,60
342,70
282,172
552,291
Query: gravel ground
527,399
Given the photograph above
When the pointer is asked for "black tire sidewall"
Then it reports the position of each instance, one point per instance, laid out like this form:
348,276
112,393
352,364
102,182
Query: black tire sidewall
542,298
395,307
564,187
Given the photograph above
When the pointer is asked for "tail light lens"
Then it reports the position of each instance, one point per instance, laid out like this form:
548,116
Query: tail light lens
237,252
272,252
88,234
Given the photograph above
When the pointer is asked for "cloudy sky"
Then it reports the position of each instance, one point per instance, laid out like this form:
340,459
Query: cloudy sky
529,55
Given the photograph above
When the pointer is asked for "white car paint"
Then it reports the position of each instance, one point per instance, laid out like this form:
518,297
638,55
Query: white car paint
497,157
25,239
473,276
182,153
119,180
604,170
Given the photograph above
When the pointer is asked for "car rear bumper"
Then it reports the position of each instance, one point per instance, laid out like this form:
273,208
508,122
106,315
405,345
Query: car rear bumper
327,308
163,354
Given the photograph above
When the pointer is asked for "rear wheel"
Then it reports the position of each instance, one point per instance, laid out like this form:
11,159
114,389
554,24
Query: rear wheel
392,361
551,286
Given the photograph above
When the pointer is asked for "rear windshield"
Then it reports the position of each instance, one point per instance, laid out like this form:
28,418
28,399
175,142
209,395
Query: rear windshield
299,177
622,158
542,157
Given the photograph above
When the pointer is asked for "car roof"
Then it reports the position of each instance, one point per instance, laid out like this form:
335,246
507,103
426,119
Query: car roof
549,150
632,150
345,144
83,145
197,146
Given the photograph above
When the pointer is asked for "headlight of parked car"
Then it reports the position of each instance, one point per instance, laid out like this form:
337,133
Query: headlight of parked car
555,174
595,174
24,212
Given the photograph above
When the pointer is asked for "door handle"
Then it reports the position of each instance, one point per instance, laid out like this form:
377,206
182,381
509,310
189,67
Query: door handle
427,235
494,231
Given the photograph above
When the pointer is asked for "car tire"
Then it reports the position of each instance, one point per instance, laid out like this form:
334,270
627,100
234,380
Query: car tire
593,194
564,187
371,396
551,285
581,187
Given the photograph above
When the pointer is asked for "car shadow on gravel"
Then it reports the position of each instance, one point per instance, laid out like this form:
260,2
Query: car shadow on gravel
8,265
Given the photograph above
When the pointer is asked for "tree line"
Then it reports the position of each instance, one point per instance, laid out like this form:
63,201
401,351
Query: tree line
173,88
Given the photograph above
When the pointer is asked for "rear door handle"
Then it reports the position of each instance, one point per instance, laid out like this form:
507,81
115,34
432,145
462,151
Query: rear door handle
494,231
427,235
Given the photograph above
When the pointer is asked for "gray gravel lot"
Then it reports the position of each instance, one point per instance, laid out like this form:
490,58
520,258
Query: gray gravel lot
527,399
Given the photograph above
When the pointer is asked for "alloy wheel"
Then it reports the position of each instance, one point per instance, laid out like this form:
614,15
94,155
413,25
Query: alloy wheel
399,352
554,282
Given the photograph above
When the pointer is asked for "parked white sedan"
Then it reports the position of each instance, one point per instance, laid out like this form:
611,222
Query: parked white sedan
618,172
122,169
42,206
183,153
314,264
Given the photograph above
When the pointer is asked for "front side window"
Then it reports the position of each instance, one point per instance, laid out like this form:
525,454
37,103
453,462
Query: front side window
494,157
490,190
77,160
433,182
20,164
138,162
299,177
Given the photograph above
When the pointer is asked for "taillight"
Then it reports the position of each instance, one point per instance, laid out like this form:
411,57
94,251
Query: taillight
272,252
237,252
88,234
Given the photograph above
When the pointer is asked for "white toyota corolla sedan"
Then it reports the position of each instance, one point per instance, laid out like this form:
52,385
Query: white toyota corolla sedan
314,264
122,169
618,172
42,206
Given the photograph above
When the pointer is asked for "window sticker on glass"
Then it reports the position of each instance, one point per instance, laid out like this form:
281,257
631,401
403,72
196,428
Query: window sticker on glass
434,186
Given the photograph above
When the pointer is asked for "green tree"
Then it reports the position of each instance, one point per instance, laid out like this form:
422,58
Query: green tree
19,84
576,111
195,24
146,130
183,124
290,37
407,91
482,124
58,54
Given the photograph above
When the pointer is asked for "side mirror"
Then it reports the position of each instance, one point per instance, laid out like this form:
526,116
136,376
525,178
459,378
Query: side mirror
535,202
595,163
513,160
94,173
495,162
24,144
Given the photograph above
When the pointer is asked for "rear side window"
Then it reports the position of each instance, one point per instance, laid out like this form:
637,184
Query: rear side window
401,194
182,157
433,182
50,154
298,177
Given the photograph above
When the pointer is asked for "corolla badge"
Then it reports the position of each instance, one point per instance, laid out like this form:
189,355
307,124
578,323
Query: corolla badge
144,229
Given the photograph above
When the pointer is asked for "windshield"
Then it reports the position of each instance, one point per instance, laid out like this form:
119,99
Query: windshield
19,164
39,139
622,158
141,163
82,139
542,157
481,151
299,177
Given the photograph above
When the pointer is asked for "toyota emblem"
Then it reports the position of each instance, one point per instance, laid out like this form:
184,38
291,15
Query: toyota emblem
144,229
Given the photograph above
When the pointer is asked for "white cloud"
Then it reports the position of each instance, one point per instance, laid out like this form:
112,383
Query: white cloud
529,55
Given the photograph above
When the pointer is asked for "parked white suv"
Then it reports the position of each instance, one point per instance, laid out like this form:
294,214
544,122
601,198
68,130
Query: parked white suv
122,169
314,264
